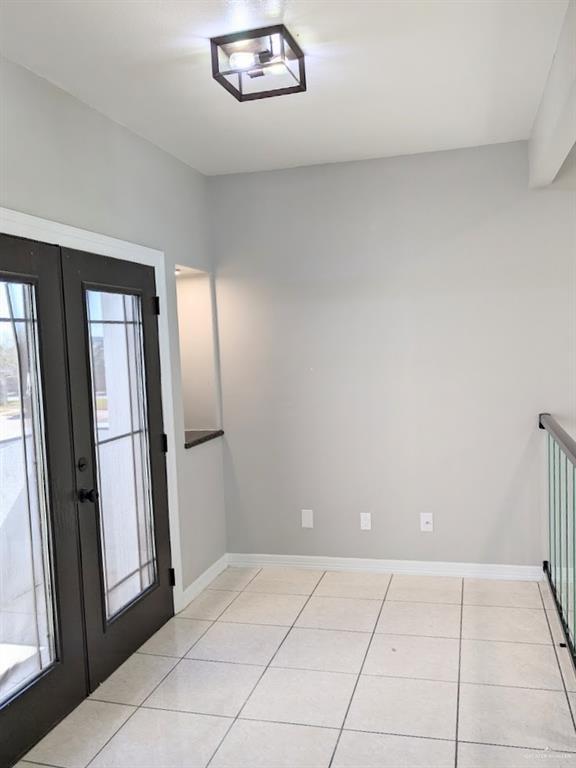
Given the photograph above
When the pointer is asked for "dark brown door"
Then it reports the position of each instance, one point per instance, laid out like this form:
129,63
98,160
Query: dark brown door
118,438
42,654
84,537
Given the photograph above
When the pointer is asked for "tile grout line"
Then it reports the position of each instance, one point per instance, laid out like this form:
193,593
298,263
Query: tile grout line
138,706
183,658
368,632
545,750
212,622
291,627
360,631
341,730
475,683
459,676
535,750
180,660
389,676
444,603
176,659
207,589
322,629
558,662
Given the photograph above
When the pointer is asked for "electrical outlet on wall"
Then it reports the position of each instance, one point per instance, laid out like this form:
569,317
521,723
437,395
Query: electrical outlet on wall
307,518
426,522
365,521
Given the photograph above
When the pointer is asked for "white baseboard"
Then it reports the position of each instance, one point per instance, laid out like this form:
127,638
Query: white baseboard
416,567
183,597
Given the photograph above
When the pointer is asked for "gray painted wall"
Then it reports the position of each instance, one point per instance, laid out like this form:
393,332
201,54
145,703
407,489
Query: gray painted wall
63,161
389,332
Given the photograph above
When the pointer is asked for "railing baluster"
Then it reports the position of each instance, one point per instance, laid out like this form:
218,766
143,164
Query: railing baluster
565,597
569,552
562,523
558,562
551,521
561,528
573,625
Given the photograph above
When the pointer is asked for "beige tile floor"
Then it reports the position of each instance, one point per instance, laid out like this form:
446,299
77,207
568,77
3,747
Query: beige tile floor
294,668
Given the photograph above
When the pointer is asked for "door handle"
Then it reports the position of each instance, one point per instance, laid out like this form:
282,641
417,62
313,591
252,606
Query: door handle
91,495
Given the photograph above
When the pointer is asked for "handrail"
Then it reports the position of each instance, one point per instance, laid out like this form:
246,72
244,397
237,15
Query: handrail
548,422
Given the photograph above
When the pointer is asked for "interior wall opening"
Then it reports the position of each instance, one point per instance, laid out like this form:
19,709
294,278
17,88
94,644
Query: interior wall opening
198,358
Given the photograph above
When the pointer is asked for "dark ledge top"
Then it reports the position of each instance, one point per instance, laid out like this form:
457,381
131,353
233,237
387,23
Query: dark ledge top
194,437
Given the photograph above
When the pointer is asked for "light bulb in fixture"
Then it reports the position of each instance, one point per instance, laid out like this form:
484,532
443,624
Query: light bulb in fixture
276,69
242,60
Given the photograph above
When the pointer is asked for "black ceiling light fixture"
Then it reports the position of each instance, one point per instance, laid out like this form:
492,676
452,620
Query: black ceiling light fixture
259,63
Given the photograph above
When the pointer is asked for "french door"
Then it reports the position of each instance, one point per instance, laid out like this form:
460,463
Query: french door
42,659
84,540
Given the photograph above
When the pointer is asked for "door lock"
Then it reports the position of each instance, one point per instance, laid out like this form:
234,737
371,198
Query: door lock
91,495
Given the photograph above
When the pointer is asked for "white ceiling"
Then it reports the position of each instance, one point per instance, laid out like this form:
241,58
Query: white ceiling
384,77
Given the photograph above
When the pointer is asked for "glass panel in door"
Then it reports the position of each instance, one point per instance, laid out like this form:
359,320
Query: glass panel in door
27,641
121,446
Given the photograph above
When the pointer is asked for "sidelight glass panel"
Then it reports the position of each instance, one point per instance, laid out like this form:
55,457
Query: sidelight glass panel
27,643
122,446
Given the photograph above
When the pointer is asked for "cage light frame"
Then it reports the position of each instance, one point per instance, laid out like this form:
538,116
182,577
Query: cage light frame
252,34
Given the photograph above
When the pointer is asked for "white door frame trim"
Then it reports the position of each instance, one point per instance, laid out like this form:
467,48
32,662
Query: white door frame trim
45,231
